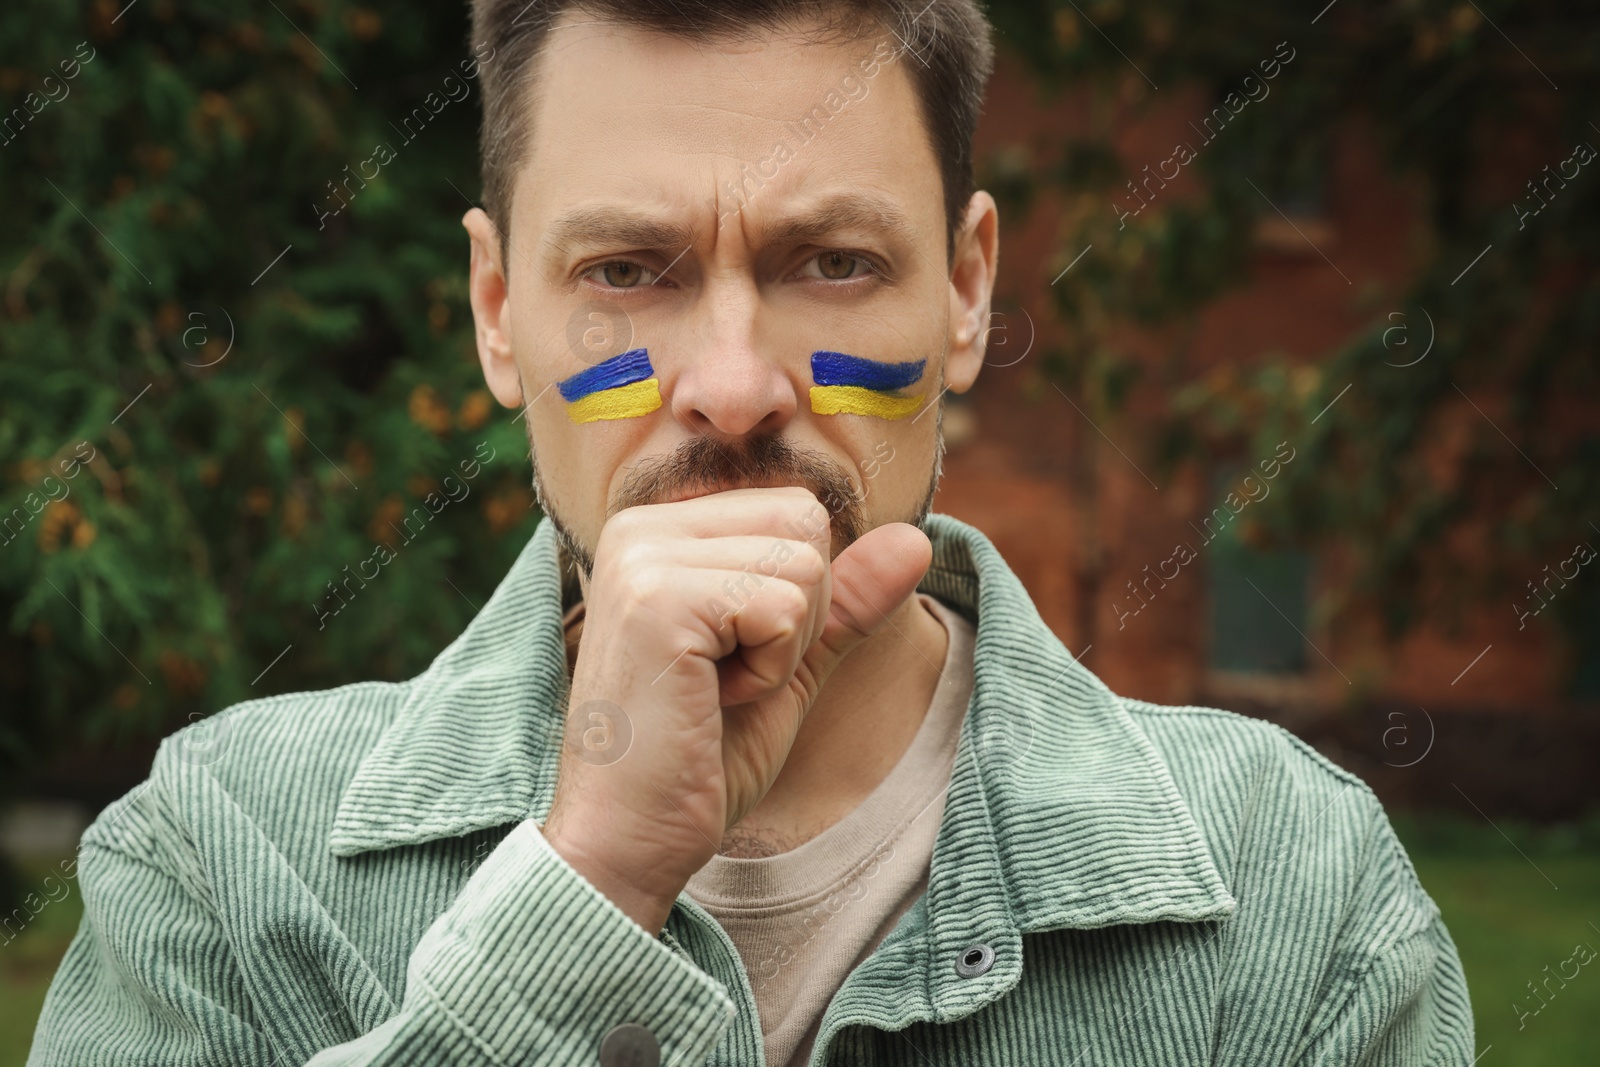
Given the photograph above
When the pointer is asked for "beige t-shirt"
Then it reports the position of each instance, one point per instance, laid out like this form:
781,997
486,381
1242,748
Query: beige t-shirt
803,919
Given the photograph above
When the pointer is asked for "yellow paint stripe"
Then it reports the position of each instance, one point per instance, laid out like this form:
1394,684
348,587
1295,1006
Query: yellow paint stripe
623,402
855,400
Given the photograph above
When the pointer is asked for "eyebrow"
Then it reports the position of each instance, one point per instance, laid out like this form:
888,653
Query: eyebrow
841,211
607,227
591,226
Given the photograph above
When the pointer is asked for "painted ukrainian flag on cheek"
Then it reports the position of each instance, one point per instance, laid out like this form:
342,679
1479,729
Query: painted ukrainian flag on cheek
850,385
623,387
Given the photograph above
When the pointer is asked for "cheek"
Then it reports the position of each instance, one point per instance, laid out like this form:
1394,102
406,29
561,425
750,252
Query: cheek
905,466
853,400
891,463
622,387
852,385
581,465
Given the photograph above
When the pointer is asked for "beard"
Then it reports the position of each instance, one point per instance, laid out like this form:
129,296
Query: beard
768,460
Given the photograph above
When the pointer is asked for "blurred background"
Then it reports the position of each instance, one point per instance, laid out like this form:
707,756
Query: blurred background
1290,405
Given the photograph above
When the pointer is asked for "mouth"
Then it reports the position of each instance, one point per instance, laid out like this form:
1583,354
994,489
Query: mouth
706,489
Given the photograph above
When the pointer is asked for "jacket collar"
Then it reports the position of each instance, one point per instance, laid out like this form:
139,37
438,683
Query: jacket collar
1060,812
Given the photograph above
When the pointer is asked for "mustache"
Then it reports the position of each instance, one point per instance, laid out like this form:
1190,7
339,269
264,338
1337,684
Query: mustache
701,463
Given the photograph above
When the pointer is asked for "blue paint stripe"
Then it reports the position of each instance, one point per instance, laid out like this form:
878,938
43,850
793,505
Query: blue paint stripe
836,368
632,366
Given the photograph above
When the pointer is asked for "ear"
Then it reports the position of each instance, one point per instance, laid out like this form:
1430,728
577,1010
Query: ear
491,311
972,273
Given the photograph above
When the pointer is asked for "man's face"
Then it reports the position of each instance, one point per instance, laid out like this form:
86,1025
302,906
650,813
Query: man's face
731,209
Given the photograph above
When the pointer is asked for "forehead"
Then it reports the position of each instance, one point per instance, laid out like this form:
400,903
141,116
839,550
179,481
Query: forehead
620,113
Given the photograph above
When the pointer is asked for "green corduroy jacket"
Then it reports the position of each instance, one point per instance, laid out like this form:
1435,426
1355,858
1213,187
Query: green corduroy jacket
356,876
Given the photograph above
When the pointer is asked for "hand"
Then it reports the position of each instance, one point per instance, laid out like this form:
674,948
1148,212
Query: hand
712,623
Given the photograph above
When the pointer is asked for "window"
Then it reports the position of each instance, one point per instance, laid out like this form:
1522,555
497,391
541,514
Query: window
1257,600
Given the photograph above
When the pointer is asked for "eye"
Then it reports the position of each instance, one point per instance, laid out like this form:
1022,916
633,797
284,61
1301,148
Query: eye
621,274
838,265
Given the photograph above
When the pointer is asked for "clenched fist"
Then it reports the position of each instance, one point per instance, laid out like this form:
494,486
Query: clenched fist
713,623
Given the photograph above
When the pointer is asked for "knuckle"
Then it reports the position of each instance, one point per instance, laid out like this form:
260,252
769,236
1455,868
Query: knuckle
632,558
791,602
644,591
811,516
808,567
625,526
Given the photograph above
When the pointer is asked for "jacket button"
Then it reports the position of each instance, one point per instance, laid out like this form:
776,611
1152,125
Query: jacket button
629,1045
975,961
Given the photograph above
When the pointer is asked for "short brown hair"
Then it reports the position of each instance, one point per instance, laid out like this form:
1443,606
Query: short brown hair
949,40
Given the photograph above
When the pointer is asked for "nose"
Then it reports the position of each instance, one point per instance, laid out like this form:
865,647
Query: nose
732,384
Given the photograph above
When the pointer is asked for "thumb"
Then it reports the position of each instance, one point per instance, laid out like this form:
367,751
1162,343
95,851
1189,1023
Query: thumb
871,578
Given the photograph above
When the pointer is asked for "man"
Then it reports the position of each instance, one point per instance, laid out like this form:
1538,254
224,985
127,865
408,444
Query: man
749,759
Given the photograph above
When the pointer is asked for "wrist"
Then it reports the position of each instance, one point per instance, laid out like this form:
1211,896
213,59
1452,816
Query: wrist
646,905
